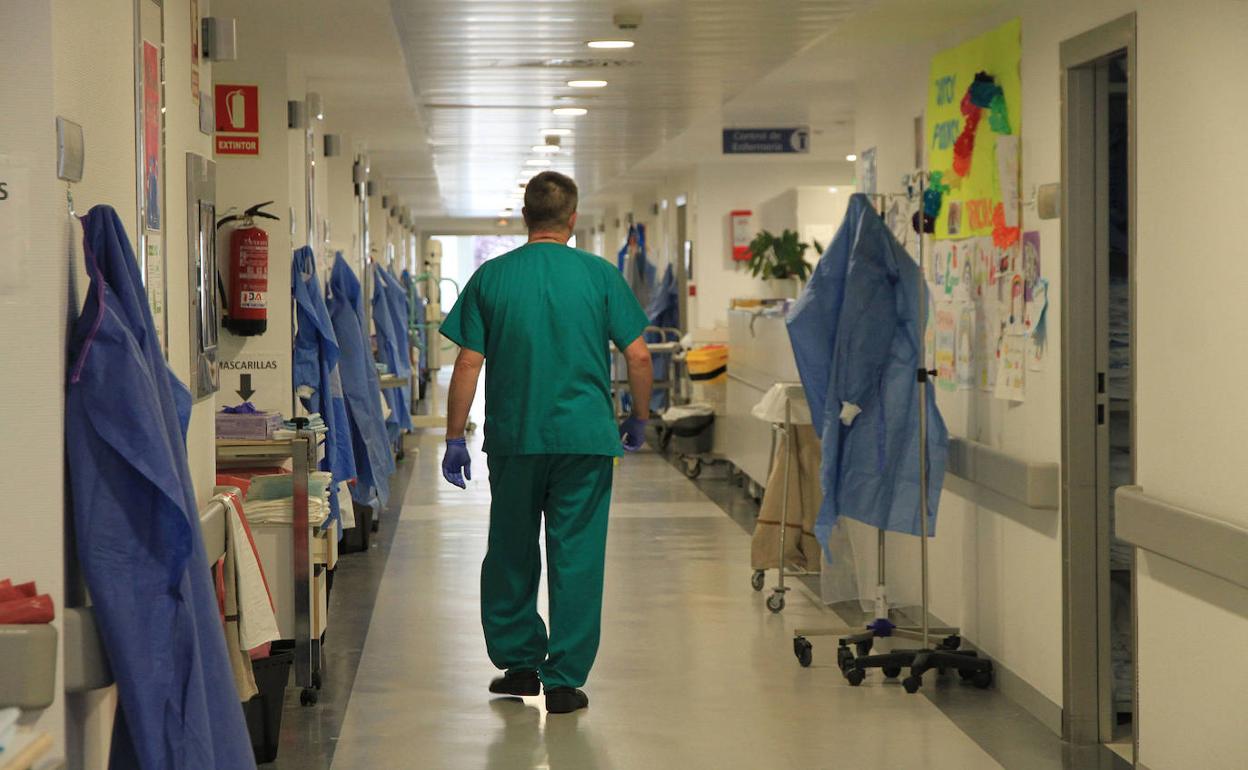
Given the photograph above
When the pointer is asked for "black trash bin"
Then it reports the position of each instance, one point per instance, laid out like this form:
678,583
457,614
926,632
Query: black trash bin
264,711
692,435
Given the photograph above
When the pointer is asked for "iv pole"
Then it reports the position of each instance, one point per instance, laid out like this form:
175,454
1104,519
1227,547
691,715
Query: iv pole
946,654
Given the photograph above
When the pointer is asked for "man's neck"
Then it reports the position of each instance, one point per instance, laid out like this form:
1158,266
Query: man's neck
549,236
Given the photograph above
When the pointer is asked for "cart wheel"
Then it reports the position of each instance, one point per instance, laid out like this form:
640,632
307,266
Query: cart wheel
855,676
760,577
892,672
951,642
775,602
912,684
844,658
863,648
966,674
804,651
982,679
308,697
692,467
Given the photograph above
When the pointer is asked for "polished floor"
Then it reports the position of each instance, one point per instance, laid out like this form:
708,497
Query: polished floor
693,670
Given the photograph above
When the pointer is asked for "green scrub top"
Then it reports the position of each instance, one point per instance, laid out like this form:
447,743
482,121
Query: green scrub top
542,316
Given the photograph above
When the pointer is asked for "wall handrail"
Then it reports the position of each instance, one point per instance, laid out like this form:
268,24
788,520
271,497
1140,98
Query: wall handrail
1195,539
1034,484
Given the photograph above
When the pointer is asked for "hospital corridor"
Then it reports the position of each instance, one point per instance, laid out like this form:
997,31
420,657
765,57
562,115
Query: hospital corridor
623,384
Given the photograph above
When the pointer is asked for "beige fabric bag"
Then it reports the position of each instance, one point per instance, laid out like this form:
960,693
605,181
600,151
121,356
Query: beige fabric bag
801,549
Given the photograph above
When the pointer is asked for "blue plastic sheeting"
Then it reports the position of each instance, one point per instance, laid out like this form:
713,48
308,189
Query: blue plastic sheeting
640,274
663,311
316,369
857,335
361,386
390,318
136,527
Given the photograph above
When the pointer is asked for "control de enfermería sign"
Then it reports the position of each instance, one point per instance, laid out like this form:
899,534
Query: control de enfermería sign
745,141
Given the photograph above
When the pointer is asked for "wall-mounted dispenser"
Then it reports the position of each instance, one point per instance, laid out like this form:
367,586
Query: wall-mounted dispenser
220,39
333,146
296,114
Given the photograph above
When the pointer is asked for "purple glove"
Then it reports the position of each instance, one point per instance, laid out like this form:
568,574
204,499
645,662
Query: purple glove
633,433
456,463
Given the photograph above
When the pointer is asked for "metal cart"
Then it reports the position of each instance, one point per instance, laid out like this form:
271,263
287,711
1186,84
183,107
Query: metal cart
668,345
783,431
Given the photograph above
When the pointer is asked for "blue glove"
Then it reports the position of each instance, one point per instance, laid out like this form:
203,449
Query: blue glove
633,433
456,463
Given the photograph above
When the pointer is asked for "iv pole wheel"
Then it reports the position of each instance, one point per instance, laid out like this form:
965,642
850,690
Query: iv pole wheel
855,676
912,684
892,672
804,651
758,580
982,679
775,602
308,697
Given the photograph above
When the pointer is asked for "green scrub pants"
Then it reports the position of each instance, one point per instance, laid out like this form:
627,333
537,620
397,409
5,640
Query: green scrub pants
574,492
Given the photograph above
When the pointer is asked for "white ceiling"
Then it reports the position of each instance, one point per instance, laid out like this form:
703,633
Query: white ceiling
449,96
488,72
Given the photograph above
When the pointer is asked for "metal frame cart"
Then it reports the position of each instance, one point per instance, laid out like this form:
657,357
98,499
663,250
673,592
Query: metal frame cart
302,451
670,346
943,655
776,601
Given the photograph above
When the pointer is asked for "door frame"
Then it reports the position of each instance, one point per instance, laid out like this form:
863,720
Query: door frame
1086,716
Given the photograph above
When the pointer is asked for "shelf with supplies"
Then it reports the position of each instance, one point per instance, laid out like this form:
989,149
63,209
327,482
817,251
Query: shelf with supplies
297,581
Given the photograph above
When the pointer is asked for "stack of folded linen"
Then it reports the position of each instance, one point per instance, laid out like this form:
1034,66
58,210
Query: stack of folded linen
245,421
270,498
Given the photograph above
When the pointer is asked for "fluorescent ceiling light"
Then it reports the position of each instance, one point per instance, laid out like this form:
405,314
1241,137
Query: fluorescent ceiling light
537,162
556,132
573,111
851,157
831,189
587,84
546,149
611,44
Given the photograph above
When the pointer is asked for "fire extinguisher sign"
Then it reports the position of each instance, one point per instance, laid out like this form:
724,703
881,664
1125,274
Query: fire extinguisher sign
238,119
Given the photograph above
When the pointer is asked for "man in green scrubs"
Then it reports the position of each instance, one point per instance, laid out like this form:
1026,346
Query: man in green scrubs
543,316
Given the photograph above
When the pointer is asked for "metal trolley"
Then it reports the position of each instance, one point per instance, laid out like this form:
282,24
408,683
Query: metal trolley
783,431
668,344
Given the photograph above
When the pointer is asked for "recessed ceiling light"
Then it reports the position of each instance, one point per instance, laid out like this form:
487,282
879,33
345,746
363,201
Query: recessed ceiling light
573,111
851,157
546,149
611,44
587,84
537,162
556,132
831,189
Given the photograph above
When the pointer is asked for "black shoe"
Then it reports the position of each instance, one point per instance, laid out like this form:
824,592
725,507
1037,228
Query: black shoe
518,682
565,700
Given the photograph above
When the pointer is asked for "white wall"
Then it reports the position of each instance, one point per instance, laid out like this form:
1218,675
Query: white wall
997,569
33,314
721,187
1192,332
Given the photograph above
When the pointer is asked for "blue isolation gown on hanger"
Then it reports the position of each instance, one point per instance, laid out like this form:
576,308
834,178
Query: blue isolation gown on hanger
390,320
316,372
136,527
856,333
374,461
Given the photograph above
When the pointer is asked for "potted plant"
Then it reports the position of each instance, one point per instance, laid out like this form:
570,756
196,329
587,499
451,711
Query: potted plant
780,260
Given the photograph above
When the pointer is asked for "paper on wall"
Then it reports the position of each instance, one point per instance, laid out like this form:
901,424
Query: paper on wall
946,341
1010,367
987,344
1031,262
964,355
1007,177
1037,325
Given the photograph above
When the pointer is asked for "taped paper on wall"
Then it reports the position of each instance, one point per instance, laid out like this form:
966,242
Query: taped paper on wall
965,352
1010,369
946,340
987,344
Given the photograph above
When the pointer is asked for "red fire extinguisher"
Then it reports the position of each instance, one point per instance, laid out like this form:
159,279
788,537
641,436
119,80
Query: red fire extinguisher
246,306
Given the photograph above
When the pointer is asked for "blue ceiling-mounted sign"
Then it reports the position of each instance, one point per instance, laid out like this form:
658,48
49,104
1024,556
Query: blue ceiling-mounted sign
767,141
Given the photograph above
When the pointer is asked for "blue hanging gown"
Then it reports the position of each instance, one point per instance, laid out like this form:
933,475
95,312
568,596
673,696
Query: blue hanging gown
390,320
316,368
361,386
856,334
136,527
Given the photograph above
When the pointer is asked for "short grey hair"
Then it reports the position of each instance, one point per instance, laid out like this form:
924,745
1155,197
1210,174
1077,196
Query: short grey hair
549,201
